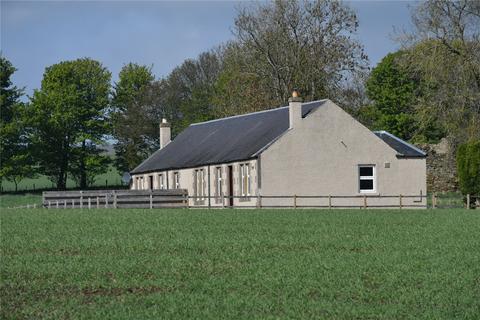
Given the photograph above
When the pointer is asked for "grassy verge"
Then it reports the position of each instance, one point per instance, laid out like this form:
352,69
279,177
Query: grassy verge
244,264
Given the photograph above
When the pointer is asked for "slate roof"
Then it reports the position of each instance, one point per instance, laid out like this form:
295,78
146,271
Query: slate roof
224,140
403,148
240,138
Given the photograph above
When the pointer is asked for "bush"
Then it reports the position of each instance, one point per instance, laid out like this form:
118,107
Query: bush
468,167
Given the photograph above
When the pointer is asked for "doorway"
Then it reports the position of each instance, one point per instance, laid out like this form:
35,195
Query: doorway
150,182
230,186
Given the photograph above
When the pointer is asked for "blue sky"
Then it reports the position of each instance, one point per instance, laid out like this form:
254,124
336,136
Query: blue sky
36,34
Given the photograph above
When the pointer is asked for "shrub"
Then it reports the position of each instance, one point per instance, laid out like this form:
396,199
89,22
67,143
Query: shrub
468,167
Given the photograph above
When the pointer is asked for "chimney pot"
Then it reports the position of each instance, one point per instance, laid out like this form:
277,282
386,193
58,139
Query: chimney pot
295,109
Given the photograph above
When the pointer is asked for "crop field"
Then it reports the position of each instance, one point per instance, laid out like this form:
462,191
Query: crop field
240,264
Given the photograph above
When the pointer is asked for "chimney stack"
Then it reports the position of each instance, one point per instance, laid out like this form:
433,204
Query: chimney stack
294,109
165,133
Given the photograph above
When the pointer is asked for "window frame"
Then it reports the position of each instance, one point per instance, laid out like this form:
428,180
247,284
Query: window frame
218,171
176,179
373,177
245,180
161,181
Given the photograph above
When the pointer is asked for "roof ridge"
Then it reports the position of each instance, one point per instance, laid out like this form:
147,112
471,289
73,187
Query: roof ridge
251,113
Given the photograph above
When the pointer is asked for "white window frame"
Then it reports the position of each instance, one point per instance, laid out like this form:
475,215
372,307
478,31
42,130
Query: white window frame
199,180
219,181
245,179
161,181
176,179
373,178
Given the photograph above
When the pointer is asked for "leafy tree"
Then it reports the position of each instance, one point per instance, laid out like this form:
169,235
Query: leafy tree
468,167
393,92
444,51
133,127
15,159
283,45
67,119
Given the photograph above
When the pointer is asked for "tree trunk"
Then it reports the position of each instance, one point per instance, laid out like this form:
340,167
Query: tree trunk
16,185
83,170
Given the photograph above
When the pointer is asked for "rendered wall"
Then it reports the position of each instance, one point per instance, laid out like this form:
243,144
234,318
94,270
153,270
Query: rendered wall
320,156
186,177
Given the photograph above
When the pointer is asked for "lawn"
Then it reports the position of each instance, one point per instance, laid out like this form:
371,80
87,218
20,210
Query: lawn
241,264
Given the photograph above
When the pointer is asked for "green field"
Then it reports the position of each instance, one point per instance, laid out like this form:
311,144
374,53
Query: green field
243,264
111,178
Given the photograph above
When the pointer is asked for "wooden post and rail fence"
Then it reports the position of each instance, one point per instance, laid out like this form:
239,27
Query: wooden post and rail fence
179,198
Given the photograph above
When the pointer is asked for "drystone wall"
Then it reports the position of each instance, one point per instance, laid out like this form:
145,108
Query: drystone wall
441,167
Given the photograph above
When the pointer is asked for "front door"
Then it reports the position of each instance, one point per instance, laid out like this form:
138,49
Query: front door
230,186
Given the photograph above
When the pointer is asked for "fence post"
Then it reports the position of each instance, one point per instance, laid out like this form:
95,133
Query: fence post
114,199
57,204
364,201
98,203
73,203
34,206
468,200
434,204
400,201
49,204
89,203
295,201
329,201
259,200
151,199
81,199
106,201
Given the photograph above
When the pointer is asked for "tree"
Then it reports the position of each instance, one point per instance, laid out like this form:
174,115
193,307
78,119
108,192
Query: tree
67,119
133,127
444,51
468,167
393,92
15,159
283,45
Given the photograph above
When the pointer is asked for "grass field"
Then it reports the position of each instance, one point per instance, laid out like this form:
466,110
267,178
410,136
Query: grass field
112,178
244,264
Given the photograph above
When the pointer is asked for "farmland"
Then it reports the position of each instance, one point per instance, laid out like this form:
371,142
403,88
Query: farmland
264,264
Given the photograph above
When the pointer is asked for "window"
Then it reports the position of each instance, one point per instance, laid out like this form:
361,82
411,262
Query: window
245,179
219,181
199,184
161,182
176,180
366,181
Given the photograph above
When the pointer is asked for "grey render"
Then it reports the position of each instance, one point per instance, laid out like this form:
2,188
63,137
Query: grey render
317,153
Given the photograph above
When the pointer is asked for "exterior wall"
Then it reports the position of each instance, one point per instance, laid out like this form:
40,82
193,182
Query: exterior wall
186,179
320,157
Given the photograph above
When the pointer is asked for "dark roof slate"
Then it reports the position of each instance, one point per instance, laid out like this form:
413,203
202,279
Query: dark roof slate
224,140
403,148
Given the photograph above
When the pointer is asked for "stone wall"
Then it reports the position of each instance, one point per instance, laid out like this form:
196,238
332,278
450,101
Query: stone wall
441,167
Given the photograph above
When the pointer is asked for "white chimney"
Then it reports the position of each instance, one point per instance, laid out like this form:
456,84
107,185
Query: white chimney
294,109
165,133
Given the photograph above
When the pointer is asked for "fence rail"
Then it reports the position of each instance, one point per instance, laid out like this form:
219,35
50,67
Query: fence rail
148,199
179,198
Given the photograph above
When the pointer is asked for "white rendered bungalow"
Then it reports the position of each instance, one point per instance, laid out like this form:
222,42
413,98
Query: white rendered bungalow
303,149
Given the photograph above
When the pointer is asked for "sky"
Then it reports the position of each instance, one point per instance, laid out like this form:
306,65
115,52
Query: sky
37,34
